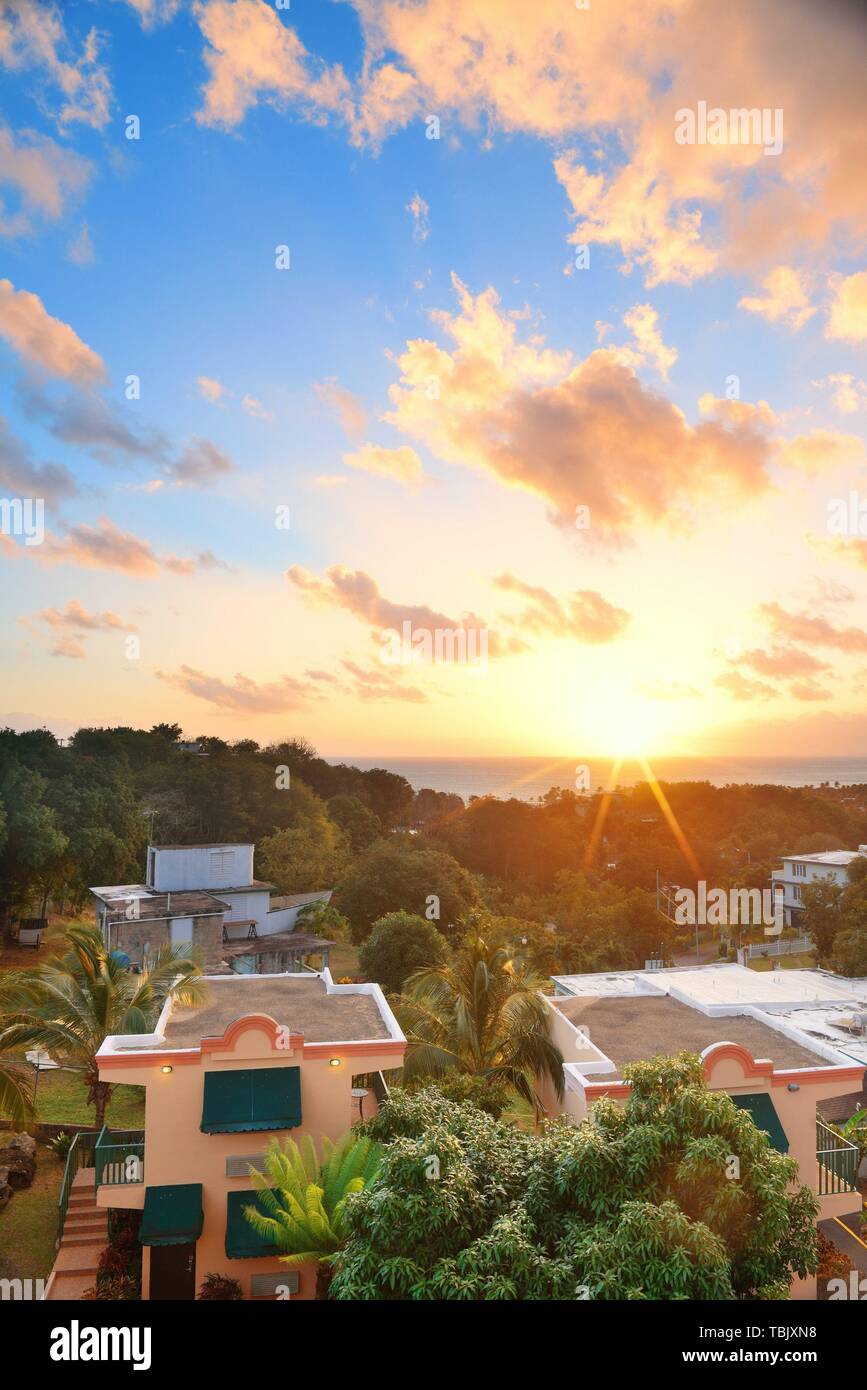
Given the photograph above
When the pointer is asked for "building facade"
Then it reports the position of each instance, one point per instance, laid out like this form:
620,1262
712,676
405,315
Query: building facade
206,896
264,1058
782,1044
799,870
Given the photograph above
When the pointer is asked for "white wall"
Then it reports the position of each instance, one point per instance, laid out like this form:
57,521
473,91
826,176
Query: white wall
202,869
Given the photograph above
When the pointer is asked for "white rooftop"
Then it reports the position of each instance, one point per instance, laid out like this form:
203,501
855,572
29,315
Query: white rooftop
837,857
710,986
825,1011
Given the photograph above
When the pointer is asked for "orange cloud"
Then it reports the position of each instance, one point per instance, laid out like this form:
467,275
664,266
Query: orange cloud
585,615
352,414
577,435
742,688
812,632
784,299
46,177
33,36
46,342
402,464
105,546
242,694
251,53
357,593
848,309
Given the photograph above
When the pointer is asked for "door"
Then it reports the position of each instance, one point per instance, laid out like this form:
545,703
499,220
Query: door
173,1272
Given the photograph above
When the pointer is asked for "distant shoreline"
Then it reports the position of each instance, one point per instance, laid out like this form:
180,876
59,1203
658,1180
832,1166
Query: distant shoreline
528,778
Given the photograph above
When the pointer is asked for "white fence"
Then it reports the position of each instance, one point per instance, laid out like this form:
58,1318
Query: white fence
792,947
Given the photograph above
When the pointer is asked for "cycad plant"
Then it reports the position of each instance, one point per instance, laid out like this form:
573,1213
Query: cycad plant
481,1013
306,1201
70,1004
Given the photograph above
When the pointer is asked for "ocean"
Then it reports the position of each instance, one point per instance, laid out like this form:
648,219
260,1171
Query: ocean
528,778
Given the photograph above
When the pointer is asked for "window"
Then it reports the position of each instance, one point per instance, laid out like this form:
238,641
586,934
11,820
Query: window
267,1098
222,863
799,870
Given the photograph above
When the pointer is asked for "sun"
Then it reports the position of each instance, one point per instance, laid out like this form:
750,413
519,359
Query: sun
623,724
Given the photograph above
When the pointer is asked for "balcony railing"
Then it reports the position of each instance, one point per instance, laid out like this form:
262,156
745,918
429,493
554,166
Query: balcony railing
837,1160
119,1157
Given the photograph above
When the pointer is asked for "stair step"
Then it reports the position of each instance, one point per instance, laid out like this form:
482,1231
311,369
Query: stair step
79,1228
85,1238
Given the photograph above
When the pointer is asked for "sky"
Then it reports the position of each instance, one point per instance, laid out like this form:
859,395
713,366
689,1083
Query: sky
436,376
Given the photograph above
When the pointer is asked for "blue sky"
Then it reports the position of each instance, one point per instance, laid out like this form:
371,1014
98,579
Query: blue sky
161,262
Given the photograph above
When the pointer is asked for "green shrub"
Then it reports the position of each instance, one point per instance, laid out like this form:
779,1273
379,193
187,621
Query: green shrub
61,1144
219,1287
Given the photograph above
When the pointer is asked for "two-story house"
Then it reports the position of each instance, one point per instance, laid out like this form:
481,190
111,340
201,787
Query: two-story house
265,1057
784,1045
799,870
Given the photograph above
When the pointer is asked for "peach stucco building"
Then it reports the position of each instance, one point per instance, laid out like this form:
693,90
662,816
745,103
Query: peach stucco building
781,1044
266,1056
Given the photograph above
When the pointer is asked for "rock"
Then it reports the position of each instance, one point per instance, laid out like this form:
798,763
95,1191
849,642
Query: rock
18,1155
5,1189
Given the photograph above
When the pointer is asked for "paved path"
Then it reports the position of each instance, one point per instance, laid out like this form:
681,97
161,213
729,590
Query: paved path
848,1235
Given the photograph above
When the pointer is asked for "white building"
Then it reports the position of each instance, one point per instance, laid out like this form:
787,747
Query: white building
799,870
204,894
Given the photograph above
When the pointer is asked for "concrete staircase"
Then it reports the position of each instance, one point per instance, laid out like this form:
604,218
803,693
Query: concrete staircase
85,1236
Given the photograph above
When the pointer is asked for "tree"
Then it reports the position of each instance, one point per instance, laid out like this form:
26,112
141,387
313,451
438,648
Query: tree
398,875
400,944
309,854
71,1004
16,1092
637,1202
358,823
480,1013
822,916
31,841
306,1204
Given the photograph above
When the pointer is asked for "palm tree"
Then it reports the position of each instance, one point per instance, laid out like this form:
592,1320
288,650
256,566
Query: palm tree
306,1202
481,1013
16,1093
72,1003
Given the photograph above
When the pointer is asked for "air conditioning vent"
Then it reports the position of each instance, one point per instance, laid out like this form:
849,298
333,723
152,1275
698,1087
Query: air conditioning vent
239,1166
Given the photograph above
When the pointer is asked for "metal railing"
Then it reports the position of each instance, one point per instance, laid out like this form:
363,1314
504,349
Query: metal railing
80,1155
119,1157
837,1160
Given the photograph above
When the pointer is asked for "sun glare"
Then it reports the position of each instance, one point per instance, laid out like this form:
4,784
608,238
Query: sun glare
623,724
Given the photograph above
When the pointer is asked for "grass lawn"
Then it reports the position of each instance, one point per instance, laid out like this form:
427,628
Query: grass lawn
344,960
61,1098
806,960
28,1225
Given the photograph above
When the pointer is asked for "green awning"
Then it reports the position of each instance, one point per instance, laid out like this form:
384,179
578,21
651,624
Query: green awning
761,1110
267,1098
242,1242
172,1214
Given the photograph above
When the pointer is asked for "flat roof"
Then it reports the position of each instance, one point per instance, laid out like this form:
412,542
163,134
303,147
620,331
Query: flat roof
716,988
828,856
211,844
157,906
300,1003
637,1027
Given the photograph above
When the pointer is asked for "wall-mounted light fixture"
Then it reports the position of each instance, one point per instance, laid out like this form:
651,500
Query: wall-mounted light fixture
334,1062
793,1086
165,1070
